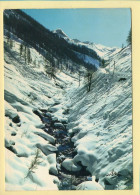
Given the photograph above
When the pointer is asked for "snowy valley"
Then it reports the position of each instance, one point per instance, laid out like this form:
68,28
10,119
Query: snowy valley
59,133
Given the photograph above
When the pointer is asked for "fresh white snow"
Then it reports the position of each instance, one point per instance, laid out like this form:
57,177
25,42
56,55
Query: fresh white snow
104,120
100,121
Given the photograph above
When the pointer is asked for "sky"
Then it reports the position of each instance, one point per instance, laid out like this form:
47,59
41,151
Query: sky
108,27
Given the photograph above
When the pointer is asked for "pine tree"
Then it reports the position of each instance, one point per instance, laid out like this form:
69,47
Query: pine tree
51,70
79,77
34,62
21,49
8,37
129,38
25,54
103,62
88,79
9,40
29,55
11,43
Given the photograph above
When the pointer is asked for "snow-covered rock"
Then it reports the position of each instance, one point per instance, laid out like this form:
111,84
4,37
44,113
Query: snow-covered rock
69,165
54,119
46,148
90,185
46,136
11,113
52,162
59,125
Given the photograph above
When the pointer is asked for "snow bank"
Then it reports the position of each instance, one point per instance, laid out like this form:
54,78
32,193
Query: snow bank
69,165
101,121
17,169
27,88
89,185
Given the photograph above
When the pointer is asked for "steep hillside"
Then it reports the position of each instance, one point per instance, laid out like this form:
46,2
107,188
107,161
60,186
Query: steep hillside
47,43
100,123
102,51
59,133
29,93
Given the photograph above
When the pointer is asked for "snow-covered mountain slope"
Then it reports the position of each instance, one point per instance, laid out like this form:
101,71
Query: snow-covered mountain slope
89,59
59,136
46,42
61,34
101,123
27,89
103,51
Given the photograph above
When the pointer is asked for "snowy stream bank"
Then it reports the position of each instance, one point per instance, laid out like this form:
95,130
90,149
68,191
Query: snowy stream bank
70,175
83,139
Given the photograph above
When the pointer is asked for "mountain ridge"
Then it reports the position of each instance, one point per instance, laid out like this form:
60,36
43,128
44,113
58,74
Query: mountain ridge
102,51
48,42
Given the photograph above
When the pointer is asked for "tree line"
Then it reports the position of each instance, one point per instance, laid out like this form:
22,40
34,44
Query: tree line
43,40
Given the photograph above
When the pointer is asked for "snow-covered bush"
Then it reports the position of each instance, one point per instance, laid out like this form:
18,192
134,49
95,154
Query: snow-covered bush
36,161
